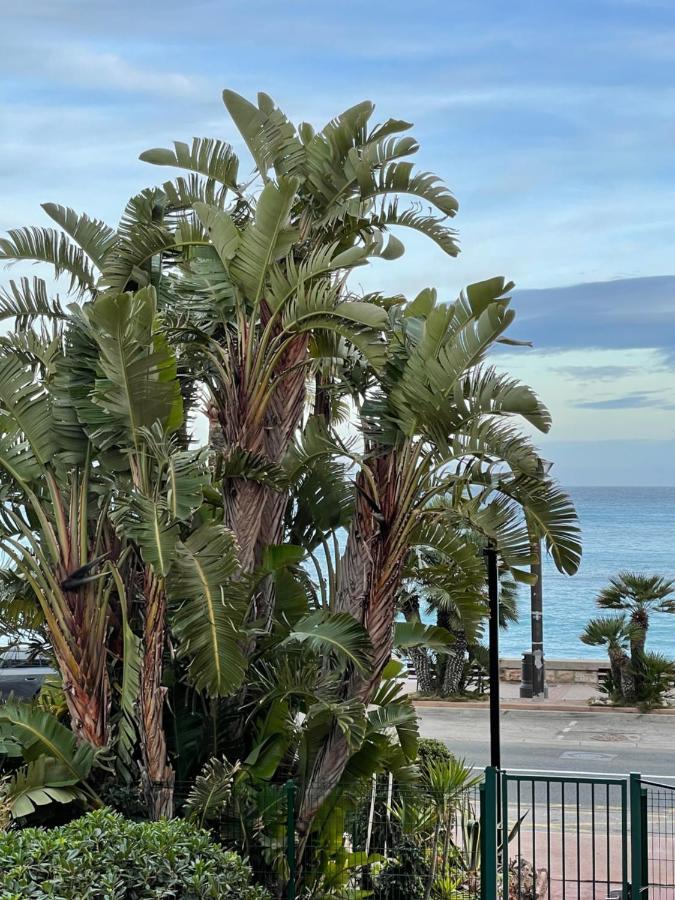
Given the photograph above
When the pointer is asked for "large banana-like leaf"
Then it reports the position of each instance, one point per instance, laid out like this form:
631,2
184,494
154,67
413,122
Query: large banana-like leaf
399,715
348,715
213,159
139,384
26,405
269,136
40,734
49,246
551,515
266,239
338,634
416,634
148,523
221,229
26,300
186,477
41,782
400,178
429,226
91,235
208,606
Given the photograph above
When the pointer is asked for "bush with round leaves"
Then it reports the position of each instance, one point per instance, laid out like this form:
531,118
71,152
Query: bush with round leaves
103,856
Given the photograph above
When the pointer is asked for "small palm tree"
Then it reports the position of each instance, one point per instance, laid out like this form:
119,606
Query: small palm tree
638,595
615,633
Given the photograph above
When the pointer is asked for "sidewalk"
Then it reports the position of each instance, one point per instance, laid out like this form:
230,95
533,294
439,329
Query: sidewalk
561,697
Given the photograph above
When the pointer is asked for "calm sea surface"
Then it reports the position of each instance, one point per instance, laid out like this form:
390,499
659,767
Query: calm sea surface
622,528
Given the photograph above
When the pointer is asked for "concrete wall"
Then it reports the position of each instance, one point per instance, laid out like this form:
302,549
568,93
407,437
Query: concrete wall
558,671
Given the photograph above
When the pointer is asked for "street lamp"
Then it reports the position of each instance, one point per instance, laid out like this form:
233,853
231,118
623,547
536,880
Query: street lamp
493,594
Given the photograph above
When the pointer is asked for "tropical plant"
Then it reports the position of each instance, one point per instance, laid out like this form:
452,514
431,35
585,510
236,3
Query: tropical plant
635,675
460,607
232,621
615,633
638,594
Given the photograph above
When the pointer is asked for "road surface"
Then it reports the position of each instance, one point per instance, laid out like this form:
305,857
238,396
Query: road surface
601,742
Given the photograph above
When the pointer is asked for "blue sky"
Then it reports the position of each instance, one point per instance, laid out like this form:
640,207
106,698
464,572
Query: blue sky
551,121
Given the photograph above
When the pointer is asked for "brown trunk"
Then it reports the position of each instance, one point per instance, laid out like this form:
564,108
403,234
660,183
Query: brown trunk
253,511
422,663
370,577
87,692
452,677
158,776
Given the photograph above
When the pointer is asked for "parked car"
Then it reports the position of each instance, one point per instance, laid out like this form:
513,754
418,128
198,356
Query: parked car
22,673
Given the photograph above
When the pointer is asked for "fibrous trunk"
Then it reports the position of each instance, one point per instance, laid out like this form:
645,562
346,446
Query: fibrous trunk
158,776
454,668
370,577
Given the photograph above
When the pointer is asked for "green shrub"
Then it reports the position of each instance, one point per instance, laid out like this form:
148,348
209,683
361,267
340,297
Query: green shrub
405,874
103,856
431,751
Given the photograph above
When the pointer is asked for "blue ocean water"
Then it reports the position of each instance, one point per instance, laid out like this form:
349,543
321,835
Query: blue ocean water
622,528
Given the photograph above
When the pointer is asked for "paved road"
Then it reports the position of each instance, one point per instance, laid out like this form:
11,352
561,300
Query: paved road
577,742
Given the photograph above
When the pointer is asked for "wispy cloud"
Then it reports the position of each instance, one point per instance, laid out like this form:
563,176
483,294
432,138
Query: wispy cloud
635,400
595,373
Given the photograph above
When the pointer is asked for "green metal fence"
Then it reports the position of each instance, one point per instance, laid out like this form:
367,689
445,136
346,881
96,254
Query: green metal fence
515,836
565,836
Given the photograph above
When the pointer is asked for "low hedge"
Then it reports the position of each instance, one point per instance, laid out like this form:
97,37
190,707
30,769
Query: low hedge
103,856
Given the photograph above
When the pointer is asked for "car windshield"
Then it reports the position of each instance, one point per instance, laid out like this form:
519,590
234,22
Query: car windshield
14,659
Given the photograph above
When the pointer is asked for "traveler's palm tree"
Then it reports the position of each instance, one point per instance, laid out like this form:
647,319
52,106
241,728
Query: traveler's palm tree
204,285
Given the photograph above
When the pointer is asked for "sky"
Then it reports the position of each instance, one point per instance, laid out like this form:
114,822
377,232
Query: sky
552,122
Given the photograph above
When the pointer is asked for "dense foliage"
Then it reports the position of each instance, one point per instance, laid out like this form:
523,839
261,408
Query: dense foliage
222,617
102,855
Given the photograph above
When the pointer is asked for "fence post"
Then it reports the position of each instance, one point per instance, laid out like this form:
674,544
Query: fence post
638,838
488,835
290,838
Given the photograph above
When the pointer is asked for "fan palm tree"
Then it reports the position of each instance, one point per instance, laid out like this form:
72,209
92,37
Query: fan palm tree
617,633
638,595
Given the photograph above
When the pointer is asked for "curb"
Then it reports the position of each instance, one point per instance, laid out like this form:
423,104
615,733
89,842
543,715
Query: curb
542,707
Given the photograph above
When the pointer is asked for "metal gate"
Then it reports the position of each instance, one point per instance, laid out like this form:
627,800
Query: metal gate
558,837
658,835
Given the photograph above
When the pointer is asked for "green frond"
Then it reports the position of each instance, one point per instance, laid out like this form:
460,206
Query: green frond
415,219
266,239
137,385
94,237
26,404
41,782
400,178
333,634
408,635
214,159
208,606
38,733
148,524
269,136
26,301
632,589
47,245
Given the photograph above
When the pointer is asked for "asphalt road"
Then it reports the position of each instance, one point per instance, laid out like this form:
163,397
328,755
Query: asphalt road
601,742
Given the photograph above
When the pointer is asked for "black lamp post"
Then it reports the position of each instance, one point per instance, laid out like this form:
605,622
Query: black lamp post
493,594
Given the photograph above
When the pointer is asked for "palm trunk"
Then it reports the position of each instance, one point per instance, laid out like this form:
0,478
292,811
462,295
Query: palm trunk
422,663
158,776
370,578
452,677
83,667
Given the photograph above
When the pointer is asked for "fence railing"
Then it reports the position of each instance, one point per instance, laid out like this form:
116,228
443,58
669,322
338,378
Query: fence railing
514,836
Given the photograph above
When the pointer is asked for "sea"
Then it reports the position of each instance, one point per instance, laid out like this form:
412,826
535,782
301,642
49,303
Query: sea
623,528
